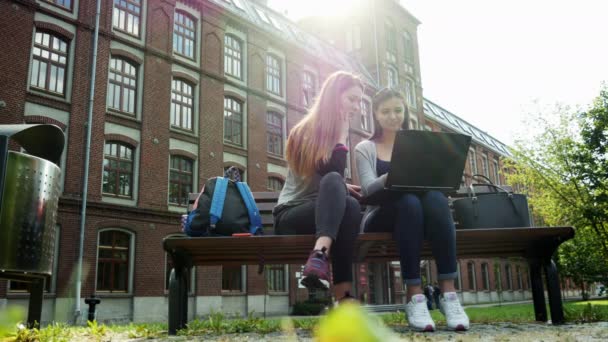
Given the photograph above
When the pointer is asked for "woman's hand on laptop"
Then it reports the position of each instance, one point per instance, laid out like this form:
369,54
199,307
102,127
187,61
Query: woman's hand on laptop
354,191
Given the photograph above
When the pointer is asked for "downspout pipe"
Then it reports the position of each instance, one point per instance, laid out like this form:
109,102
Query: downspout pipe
87,157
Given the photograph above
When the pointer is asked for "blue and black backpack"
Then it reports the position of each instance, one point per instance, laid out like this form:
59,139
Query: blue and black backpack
224,207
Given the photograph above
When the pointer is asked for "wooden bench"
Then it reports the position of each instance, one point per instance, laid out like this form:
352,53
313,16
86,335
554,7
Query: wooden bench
536,244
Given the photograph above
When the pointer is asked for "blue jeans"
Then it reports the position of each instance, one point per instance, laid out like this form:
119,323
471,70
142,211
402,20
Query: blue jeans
414,218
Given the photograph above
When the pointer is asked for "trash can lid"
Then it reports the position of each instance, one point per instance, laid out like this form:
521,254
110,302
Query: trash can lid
41,140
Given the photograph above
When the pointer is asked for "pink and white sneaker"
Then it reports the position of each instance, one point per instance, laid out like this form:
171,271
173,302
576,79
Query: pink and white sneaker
418,315
454,314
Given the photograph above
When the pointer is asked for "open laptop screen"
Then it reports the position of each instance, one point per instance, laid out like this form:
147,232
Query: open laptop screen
423,160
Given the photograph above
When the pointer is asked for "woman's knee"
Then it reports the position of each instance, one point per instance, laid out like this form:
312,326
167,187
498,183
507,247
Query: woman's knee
332,180
435,203
408,202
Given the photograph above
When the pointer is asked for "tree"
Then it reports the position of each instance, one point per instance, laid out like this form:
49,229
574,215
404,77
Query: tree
563,168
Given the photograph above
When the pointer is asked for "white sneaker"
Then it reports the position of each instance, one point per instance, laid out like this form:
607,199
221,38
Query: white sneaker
418,315
454,314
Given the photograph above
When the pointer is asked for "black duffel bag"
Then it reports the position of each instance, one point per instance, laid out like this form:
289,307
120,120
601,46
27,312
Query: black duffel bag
497,209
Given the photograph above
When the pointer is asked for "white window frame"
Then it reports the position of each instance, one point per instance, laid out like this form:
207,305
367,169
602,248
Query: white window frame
473,286
392,77
473,161
485,167
496,170
230,60
111,128
285,281
131,262
485,275
67,96
410,93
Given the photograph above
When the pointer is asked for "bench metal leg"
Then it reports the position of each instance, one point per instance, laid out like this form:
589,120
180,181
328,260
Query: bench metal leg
178,300
554,293
538,292
34,311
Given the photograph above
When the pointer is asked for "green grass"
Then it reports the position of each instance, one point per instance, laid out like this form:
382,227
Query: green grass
218,323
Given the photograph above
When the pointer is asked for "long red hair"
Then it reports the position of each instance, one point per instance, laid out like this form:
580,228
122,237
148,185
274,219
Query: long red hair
312,139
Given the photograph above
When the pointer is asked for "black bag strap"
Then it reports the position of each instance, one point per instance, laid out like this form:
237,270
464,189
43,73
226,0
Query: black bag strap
485,178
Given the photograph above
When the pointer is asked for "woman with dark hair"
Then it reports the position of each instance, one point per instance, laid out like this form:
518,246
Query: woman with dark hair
315,198
412,217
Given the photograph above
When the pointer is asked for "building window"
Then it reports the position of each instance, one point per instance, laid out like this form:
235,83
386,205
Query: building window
413,122
274,184
508,277
184,34
353,38
471,275
484,165
233,59
391,43
518,278
122,87
126,16
180,180
428,128
232,278
273,74
485,274
274,133
392,79
118,170
67,4
308,88
365,116
473,161
496,176
276,278
113,258
49,63
233,121
182,105
410,93
408,48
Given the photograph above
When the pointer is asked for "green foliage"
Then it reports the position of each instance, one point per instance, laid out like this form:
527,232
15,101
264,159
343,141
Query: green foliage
586,313
96,330
147,331
563,168
311,307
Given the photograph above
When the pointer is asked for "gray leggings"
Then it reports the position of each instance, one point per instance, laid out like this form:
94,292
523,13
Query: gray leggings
334,214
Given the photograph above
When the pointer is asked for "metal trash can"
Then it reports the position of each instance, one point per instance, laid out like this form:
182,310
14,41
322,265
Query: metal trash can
29,195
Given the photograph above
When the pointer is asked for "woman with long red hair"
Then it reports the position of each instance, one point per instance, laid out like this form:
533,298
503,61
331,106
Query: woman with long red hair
315,198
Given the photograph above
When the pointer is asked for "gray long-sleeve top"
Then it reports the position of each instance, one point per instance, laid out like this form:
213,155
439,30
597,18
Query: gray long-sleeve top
366,156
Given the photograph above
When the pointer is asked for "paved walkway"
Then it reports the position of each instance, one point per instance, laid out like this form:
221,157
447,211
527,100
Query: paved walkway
503,332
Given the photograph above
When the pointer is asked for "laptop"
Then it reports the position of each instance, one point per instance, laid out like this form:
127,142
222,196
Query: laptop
424,161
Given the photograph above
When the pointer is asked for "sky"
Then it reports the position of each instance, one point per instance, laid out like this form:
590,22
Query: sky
493,62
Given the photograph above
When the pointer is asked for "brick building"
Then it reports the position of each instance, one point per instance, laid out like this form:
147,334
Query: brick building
184,89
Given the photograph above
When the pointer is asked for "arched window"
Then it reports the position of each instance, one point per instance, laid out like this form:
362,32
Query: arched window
308,88
485,274
408,48
49,63
184,34
366,116
233,59
118,169
520,285
391,42
122,85
508,277
182,104
392,78
114,249
471,276
233,121
274,133
274,184
180,180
